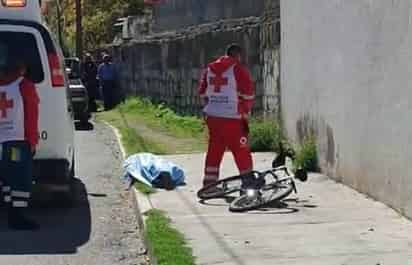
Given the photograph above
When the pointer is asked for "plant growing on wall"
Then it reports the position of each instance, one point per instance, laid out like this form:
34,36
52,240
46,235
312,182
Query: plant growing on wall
307,155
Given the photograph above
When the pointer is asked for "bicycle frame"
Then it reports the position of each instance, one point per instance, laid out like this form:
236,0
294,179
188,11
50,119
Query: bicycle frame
273,172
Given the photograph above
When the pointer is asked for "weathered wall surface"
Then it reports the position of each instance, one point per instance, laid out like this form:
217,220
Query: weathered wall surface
176,14
346,77
167,66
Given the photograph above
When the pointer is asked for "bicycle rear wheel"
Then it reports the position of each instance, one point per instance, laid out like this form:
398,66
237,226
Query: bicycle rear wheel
269,193
220,188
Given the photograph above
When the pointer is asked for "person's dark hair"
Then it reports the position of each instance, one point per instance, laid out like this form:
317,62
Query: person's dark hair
233,50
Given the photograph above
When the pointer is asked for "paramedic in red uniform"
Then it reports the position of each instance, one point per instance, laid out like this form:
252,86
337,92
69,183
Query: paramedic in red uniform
227,92
19,113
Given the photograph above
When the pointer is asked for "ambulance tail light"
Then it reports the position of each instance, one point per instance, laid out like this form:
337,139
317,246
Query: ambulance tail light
56,71
14,3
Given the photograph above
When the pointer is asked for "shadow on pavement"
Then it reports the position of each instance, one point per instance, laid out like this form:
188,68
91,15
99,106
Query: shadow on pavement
62,230
97,195
301,203
276,207
80,126
284,207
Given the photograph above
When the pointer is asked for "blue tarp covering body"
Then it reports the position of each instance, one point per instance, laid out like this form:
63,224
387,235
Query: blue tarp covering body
146,168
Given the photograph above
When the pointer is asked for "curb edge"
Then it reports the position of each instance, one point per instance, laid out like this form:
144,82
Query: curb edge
118,138
141,202
142,205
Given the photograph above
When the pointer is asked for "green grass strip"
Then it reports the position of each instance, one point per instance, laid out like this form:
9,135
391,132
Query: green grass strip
168,244
162,116
143,188
134,143
264,135
131,140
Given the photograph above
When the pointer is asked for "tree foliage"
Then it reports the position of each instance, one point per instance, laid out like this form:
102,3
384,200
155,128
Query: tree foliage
98,19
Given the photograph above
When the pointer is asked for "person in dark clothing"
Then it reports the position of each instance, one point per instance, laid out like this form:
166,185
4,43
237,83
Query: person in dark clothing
107,75
89,77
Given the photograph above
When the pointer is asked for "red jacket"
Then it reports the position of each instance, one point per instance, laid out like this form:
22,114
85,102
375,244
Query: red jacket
31,107
246,91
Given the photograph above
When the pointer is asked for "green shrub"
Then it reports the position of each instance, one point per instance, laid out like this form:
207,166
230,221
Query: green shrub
265,136
307,155
137,105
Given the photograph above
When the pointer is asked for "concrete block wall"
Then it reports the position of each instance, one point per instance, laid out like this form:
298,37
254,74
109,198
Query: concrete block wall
176,14
346,78
167,66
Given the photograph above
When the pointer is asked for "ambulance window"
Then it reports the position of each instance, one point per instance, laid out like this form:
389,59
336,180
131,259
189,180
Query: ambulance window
22,47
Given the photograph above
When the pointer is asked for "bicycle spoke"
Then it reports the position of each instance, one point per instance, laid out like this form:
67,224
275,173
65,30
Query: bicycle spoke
268,193
220,188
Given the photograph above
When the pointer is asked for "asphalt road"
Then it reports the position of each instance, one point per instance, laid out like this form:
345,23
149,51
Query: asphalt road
100,229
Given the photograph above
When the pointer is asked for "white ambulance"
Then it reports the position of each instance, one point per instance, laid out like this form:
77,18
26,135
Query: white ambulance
23,29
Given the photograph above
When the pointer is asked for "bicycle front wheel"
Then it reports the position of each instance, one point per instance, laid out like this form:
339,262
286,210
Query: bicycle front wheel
259,198
220,188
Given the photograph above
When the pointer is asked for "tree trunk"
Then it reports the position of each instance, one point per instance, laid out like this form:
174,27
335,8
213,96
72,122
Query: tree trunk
59,25
79,29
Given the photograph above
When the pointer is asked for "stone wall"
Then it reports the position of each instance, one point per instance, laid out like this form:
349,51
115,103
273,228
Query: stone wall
346,78
176,14
167,66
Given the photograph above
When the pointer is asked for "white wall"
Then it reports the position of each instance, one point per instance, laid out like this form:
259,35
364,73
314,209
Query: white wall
346,75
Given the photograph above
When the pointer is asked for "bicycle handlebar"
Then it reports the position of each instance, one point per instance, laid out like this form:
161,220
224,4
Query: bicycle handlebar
300,174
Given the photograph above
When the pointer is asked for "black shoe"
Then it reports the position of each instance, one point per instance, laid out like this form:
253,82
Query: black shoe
18,221
165,181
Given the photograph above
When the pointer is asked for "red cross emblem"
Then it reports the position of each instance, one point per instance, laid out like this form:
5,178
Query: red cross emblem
5,104
218,81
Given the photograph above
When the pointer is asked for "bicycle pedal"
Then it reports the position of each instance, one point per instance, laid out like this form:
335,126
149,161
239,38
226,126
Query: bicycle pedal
301,175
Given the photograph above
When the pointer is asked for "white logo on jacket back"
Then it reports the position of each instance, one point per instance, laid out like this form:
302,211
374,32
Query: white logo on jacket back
11,112
222,94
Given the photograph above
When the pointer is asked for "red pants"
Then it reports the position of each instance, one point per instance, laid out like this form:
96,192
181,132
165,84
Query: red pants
226,134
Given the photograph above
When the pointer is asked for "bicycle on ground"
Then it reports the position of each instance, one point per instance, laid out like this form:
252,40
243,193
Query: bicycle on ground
266,187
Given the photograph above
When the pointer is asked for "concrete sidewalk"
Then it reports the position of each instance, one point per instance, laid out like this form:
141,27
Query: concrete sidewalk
325,223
